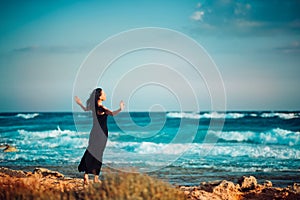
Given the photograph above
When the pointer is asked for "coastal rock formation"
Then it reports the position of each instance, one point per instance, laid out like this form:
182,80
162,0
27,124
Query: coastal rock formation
268,184
43,184
217,190
8,148
114,186
14,173
247,183
27,184
226,190
247,188
296,187
47,173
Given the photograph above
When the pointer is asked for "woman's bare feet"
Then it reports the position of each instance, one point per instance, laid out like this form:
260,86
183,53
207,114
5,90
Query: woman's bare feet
96,179
86,179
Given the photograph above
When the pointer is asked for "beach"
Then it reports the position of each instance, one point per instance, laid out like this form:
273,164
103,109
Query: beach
172,146
196,99
42,183
167,148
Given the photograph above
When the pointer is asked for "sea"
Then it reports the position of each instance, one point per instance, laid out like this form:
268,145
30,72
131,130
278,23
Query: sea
182,148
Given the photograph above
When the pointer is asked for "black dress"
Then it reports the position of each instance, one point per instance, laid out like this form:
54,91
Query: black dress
91,161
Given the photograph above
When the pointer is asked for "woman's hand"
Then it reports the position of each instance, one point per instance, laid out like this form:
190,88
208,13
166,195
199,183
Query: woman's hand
122,105
77,100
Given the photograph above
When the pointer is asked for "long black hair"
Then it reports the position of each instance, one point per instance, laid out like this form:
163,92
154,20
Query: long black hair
91,103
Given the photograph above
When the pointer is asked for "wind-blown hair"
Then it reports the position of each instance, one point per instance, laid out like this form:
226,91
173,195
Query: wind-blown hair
91,103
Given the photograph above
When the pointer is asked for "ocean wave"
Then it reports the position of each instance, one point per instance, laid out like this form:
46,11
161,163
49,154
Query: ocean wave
255,151
183,115
216,115
82,115
28,116
47,134
40,156
212,115
232,115
51,139
280,115
171,149
196,150
275,136
150,147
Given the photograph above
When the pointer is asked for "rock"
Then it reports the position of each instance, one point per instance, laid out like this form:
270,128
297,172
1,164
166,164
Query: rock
225,186
13,173
267,184
209,186
8,148
296,188
247,183
47,173
238,187
226,190
203,195
212,183
216,190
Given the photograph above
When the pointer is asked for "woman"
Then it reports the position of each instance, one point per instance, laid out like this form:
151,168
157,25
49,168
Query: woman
91,161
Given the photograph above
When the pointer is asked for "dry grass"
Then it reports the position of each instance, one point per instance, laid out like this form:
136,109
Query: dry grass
119,185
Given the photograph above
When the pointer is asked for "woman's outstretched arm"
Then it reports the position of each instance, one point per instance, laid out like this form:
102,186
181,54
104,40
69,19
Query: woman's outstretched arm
113,113
78,101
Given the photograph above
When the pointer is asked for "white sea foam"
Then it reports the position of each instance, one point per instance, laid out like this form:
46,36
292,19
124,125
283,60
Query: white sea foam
171,149
150,147
28,116
280,115
183,115
212,115
253,115
274,136
160,152
194,149
47,134
237,136
58,143
216,115
53,139
255,151
230,115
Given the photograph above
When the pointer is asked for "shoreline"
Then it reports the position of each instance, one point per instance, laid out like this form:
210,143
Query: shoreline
282,180
42,182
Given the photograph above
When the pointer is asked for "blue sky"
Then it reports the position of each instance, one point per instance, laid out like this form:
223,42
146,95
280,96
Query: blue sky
254,43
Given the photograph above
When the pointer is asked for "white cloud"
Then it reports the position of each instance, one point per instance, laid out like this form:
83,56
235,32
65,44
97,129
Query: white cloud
198,5
198,16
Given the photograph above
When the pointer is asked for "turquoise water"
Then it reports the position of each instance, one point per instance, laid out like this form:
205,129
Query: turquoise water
179,147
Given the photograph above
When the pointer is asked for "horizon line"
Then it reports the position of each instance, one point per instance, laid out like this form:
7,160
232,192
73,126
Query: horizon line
140,111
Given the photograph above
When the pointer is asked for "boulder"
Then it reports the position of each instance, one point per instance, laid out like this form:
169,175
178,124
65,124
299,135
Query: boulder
267,184
203,195
209,186
226,190
47,173
247,183
296,188
13,173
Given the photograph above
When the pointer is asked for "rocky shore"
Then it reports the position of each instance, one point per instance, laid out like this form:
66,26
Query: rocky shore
246,188
42,183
